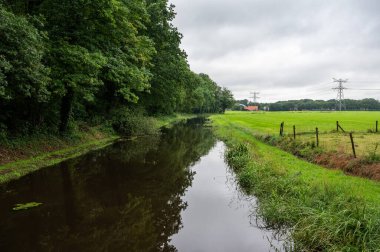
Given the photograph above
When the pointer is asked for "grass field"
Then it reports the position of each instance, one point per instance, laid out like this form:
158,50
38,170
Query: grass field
269,122
306,122
324,210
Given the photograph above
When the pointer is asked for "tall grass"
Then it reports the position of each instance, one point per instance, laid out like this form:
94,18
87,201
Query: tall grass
320,216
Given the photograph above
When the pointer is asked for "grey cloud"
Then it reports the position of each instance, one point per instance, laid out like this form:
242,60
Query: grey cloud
282,45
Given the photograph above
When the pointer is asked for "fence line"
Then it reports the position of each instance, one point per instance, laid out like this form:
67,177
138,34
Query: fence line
340,129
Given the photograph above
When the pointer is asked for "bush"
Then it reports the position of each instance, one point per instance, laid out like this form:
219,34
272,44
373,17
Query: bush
128,122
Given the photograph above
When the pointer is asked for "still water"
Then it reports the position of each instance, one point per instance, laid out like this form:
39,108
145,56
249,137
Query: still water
171,192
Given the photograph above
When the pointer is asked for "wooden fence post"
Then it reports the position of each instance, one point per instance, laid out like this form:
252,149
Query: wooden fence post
377,126
339,127
282,129
294,132
317,136
353,144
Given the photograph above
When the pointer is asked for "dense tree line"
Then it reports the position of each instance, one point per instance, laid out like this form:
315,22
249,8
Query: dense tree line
308,104
68,60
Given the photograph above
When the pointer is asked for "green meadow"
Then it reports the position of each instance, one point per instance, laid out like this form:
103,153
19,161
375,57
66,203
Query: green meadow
361,123
269,122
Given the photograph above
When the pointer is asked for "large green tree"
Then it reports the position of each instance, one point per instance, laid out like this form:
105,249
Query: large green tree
23,77
170,67
109,53
129,54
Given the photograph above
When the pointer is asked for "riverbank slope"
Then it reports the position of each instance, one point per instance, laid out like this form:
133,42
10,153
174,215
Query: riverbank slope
21,156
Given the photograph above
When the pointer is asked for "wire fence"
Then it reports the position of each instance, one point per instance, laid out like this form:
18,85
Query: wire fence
357,143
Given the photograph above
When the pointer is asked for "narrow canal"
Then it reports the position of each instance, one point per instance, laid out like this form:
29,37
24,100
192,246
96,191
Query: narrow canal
172,192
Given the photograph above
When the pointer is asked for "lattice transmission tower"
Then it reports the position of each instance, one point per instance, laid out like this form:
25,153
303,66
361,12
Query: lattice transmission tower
255,96
340,104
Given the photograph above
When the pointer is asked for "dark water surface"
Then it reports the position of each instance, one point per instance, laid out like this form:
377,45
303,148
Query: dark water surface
165,193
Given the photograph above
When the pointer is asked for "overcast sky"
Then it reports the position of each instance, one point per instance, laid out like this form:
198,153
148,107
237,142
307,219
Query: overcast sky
285,49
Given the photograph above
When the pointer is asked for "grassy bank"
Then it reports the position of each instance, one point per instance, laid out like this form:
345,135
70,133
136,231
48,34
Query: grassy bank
334,148
16,169
23,155
323,210
165,121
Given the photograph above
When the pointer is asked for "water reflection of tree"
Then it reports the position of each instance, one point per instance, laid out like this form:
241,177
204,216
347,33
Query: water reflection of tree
125,198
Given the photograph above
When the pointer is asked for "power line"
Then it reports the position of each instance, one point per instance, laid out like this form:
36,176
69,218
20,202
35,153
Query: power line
363,88
255,96
326,92
340,100
361,81
340,96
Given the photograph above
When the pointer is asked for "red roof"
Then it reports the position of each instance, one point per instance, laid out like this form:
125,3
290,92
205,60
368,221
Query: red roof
252,108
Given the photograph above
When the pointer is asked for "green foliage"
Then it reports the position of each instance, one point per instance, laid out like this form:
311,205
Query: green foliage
169,66
24,79
227,99
22,47
76,68
203,95
133,123
26,206
63,61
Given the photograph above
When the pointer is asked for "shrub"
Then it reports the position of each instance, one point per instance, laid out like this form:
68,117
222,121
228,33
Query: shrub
132,123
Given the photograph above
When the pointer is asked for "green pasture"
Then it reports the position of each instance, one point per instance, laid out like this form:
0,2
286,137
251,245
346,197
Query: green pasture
306,123
269,122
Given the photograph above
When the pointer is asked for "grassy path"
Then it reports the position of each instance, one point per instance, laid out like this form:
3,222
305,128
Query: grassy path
325,210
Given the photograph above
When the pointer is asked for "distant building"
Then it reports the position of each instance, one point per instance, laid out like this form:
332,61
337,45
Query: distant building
251,108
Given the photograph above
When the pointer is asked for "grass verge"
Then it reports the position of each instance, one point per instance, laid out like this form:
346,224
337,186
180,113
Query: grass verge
20,168
322,210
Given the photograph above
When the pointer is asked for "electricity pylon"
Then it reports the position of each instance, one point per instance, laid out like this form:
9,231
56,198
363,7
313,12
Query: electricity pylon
340,95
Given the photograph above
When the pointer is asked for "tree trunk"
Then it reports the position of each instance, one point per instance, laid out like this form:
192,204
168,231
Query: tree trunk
66,107
110,97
